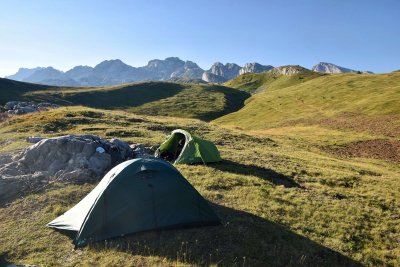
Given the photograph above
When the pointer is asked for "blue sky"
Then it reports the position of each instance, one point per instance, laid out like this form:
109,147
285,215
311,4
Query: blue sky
360,34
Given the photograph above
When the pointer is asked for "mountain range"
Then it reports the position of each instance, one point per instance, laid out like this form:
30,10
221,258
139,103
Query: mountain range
113,72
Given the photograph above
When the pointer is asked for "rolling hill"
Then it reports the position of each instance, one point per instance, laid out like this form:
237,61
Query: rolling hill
276,78
205,102
370,98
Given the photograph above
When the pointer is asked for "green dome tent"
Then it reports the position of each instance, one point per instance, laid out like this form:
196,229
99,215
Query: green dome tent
136,195
182,147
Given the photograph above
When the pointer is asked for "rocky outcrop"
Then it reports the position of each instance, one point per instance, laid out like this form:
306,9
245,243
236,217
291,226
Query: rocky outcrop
254,68
288,70
219,73
20,107
325,67
227,71
212,78
70,158
171,67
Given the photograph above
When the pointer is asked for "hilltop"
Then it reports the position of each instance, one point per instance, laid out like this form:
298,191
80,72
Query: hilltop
275,78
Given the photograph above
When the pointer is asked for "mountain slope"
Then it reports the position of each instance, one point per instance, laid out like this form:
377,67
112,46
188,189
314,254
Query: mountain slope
23,73
272,79
14,90
205,102
332,96
325,67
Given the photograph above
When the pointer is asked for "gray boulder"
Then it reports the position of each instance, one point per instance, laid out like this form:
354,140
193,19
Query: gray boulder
10,105
19,107
34,139
140,151
70,158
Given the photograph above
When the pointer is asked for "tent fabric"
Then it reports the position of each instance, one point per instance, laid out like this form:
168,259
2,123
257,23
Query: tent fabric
195,149
135,196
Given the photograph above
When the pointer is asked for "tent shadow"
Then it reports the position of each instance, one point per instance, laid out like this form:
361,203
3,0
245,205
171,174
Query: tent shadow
3,259
243,239
263,173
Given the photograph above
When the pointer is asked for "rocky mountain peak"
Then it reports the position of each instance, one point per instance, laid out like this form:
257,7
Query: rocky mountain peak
326,67
227,71
288,70
254,67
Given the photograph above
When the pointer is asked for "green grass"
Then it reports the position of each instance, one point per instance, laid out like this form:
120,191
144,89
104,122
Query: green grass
282,201
257,82
206,102
13,90
353,97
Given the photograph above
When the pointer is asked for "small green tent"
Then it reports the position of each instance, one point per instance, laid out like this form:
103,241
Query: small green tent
136,195
183,147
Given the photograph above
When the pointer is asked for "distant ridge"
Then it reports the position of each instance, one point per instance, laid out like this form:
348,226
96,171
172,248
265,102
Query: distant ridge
325,67
115,72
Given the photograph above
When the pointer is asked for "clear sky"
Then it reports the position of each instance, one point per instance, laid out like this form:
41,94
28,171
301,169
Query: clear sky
359,34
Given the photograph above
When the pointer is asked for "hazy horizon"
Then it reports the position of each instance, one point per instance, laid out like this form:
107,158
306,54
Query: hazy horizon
361,35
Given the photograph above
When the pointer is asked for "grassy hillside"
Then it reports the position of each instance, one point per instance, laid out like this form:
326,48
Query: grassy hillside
271,80
282,201
14,90
205,102
347,101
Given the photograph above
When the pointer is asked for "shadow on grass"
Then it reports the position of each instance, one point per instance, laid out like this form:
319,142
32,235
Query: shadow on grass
3,259
234,101
243,240
263,173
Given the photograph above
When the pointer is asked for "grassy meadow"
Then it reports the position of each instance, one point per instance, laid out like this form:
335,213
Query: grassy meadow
284,197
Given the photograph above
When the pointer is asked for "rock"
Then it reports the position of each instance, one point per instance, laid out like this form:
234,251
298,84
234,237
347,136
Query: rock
325,67
288,70
212,78
72,158
19,107
139,150
219,73
10,105
254,68
123,148
34,139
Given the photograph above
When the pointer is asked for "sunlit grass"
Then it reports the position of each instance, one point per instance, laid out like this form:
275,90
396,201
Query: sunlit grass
281,200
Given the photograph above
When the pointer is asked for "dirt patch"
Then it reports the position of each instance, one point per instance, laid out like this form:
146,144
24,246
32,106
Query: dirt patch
376,149
388,125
